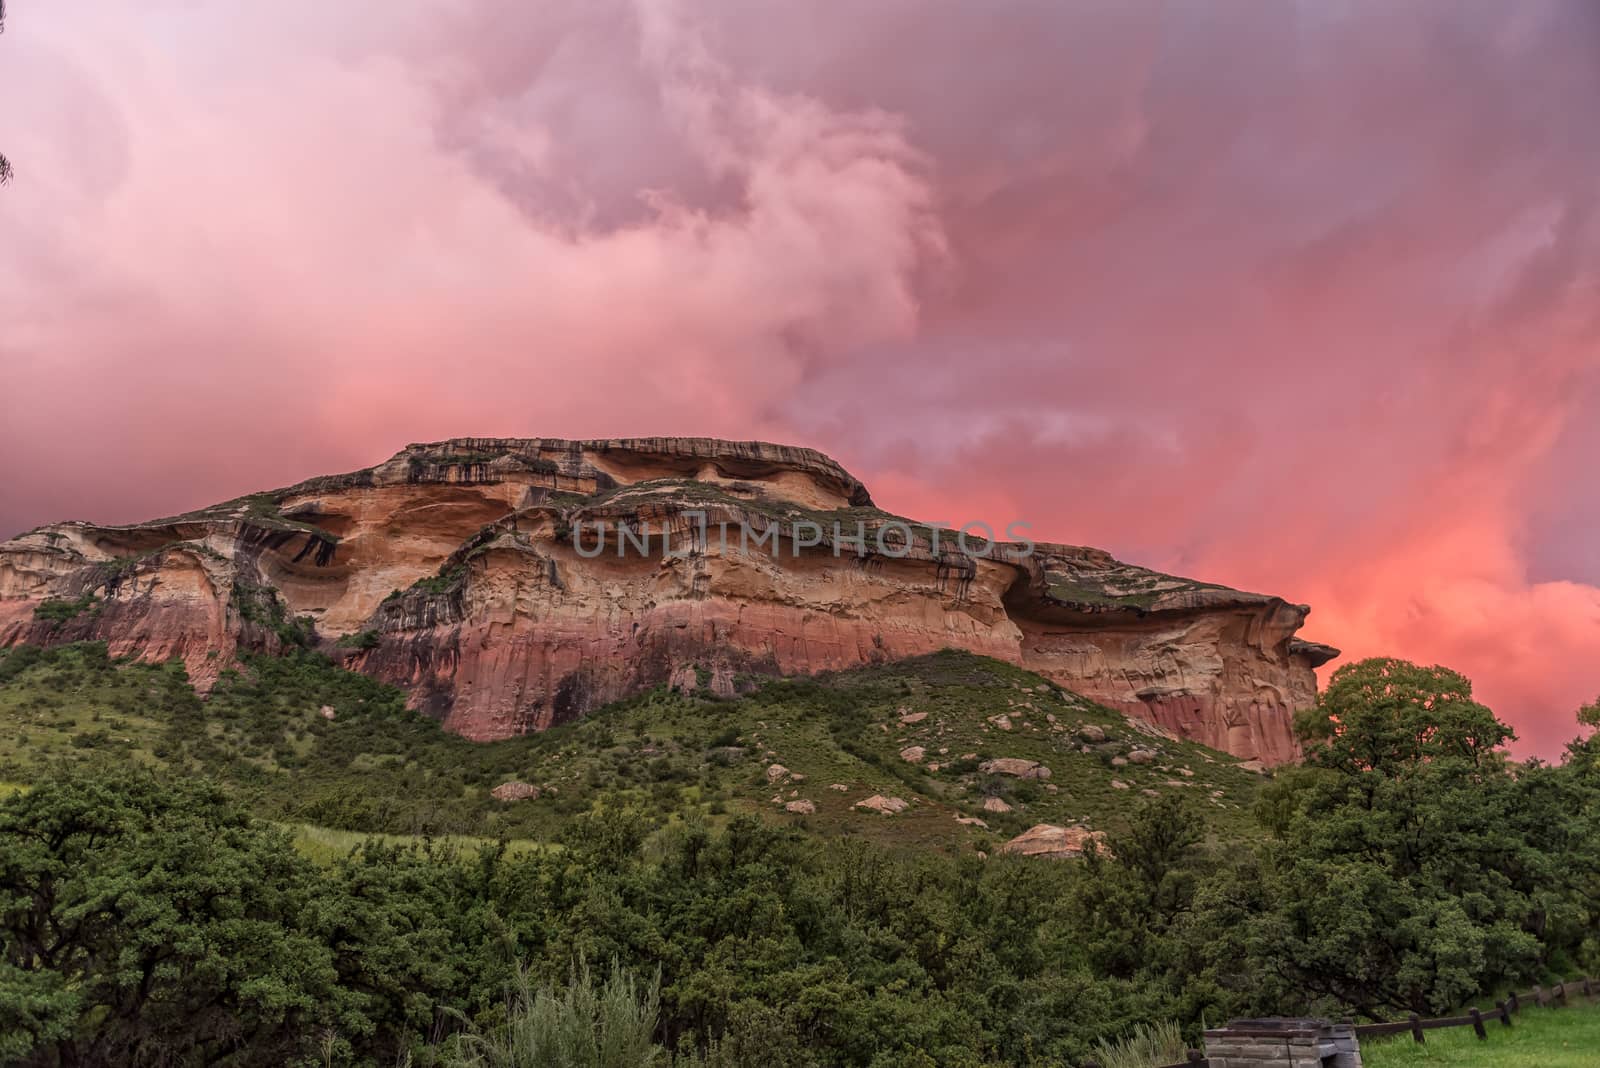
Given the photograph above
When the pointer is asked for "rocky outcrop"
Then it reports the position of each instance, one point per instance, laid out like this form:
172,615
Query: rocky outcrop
1051,841
511,584
888,806
1015,767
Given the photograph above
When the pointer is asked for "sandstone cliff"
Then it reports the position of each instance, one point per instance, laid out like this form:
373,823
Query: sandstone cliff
467,573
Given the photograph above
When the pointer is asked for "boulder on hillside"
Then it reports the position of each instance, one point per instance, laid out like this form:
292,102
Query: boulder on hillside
1015,767
776,772
1092,733
995,804
802,808
1051,841
515,791
913,754
888,806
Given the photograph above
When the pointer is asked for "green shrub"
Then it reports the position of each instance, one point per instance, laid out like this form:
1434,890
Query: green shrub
366,639
57,611
583,1026
1148,1046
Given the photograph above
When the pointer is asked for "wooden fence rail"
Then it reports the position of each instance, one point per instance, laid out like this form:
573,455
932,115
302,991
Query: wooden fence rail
1475,1018
1503,1011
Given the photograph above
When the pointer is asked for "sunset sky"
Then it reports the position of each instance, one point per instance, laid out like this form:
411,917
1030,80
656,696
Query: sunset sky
1299,297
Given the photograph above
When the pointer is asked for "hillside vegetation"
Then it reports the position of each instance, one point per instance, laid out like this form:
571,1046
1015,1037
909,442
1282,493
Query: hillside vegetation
375,766
660,887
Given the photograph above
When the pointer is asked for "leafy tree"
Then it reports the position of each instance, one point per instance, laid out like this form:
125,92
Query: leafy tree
147,922
1404,873
1388,716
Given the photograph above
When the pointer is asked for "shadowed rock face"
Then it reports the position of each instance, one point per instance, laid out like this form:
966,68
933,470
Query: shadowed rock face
471,573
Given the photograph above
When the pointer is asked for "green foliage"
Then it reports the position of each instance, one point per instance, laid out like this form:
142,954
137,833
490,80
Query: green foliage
380,767
366,639
139,917
1388,715
58,611
1383,876
261,606
584,1026
1412,868
448,578
1149,1046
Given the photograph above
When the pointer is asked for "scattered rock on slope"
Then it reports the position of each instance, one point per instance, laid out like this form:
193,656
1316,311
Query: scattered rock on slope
1049,840
1015,767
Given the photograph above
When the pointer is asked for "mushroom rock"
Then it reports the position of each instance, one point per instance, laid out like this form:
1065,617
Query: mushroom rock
511,584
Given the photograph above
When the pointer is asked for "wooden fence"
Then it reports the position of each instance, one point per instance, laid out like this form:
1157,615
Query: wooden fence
1503,1011
1476,1019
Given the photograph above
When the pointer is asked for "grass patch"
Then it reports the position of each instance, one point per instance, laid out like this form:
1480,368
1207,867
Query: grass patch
1542,1038
327,844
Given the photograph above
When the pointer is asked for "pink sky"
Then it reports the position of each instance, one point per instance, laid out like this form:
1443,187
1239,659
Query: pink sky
1301,298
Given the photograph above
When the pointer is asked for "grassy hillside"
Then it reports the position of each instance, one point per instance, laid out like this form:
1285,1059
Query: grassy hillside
374,766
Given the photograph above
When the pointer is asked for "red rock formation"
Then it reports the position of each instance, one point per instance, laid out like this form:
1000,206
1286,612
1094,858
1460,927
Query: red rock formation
464,571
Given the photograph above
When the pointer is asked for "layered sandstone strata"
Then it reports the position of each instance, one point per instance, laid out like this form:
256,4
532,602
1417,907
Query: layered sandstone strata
473,574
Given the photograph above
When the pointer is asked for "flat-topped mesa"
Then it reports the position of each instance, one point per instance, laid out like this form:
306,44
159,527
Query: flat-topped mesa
803,475
459,571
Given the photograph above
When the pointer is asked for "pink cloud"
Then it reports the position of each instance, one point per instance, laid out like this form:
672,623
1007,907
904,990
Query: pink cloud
1298,299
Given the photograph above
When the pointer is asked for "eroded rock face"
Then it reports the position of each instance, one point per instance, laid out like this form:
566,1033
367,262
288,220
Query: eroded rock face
466,572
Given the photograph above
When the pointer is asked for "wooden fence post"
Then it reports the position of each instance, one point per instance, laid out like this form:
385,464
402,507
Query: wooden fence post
1416,1028
1587,990
1195,1056
1516,1006
1505,1013
1561,993
1538,996
1477,1023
